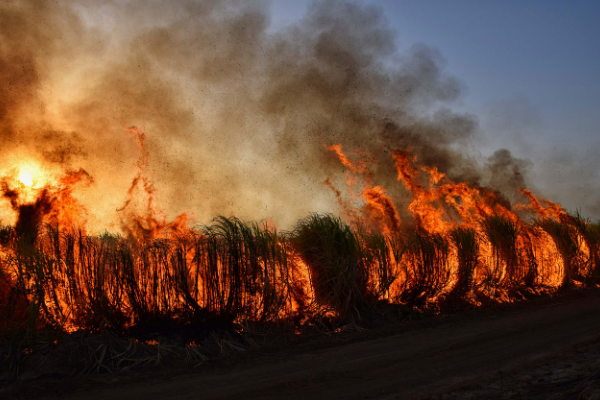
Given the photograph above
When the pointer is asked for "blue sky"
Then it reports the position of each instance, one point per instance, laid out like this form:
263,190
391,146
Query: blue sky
531,71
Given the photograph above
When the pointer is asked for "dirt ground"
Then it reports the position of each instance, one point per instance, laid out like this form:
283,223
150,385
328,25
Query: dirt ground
548,349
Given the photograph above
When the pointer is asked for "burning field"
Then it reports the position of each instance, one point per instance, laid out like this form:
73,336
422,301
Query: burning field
117,118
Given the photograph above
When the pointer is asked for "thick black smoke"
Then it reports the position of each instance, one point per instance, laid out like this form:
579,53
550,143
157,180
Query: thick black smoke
237,114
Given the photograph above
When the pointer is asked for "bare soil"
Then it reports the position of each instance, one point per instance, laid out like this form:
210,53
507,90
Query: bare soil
543,349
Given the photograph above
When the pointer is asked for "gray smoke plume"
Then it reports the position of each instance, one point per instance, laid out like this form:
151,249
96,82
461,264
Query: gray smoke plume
237,114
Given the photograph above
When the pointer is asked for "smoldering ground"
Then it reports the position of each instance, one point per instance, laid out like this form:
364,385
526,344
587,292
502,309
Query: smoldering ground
237,113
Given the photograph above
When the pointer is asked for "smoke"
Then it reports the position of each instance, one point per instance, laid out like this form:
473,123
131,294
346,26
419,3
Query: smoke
237,115
573,176
507,173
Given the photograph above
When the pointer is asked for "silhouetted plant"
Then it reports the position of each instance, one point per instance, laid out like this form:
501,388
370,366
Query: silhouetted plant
426,265
566,243
467,252
590,233
502,234
332,252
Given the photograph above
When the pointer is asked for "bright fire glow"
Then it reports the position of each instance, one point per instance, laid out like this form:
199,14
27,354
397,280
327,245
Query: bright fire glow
32,176
452,241
25,178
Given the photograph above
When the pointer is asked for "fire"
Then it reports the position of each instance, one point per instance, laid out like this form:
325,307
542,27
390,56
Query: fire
141,217
477,223
25,178
30,179
415,225
31,175
451,241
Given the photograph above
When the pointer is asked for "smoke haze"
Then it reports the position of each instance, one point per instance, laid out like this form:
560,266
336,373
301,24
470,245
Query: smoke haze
237,115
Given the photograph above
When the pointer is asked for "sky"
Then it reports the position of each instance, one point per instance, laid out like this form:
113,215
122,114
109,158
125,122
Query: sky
531,70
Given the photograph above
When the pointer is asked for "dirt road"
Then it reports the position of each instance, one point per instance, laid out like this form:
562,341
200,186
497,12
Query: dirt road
409,365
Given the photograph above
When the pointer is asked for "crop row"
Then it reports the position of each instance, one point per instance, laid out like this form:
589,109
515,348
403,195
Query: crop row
235,271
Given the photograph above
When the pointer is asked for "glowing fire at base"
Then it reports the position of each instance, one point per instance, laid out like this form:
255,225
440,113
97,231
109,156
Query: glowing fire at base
507,250
463,243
